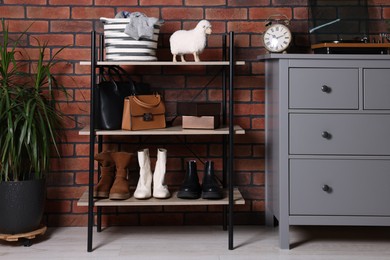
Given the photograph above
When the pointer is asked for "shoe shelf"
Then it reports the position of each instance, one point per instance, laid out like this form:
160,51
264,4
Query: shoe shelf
174,130
161,63
172,201
232,196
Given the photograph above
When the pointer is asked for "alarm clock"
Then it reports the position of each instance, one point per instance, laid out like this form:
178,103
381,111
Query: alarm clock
277,37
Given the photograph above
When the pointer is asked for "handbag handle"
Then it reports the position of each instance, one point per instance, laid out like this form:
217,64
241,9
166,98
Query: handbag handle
147,105
120,73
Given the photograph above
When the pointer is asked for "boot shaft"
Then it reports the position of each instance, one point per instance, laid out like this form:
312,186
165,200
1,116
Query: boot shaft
104,159
192,172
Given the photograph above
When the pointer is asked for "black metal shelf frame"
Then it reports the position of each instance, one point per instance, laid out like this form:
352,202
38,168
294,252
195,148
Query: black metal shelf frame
227,145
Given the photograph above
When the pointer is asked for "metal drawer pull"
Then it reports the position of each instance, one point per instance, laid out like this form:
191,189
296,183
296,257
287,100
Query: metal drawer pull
326,135
326,188
326,89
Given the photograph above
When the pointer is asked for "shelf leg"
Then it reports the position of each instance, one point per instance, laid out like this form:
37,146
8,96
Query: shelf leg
231,138
91,144
99,208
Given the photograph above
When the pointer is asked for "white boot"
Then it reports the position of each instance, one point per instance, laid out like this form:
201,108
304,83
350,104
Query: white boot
144,186
160,190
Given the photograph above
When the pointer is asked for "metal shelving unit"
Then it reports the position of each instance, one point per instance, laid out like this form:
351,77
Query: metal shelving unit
232,195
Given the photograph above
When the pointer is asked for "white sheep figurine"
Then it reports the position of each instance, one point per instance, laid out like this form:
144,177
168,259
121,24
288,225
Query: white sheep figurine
190,41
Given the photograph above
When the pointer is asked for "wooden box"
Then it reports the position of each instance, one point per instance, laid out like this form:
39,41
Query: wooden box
200,122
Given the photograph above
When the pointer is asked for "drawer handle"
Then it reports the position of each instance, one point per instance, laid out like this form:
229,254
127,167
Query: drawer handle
326,135
326,89
326,188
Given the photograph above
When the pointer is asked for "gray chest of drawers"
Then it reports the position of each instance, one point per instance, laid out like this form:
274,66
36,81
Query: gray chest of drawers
327,140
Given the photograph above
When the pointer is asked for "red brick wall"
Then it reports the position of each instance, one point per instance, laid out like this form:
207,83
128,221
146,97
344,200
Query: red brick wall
70,22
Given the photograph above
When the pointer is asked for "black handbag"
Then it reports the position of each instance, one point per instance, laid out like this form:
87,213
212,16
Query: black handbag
114,86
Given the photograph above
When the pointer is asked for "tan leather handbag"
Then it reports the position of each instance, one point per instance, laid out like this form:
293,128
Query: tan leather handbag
143,112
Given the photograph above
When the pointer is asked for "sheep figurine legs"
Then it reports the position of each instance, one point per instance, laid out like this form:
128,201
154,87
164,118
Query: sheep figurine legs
190,41
196,57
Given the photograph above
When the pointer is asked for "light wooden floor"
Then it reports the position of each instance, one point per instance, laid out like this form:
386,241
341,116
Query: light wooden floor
205,243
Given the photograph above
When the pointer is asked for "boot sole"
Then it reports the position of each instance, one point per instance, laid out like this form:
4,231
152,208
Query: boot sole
117,196
212,195
102,195
188,195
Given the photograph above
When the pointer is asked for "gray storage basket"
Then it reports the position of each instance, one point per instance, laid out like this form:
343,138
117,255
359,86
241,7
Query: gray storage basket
121,47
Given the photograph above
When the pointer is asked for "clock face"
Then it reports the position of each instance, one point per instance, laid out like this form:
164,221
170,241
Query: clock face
277,38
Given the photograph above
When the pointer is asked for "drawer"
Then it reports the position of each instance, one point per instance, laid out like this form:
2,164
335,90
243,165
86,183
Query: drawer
339,187
354,134
376,88
323,88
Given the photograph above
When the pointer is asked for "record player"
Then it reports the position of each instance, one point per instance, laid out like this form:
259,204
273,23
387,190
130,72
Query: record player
341,27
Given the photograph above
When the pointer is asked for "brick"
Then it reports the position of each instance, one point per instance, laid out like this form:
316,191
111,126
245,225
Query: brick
70,164
300,13
160,2
249,109
116,2
246,27
258,205
258,95
205,2
92,12
249,165
258,123
65,192
71,26
70,54
12,11
58,206
288,2
171,13
265,13
242,95
248,2
70,2
52,39
83,40
33,27
48,12
67,220
259,178
242,151
258,68
66,149
252,192
30,2
242,178
226,14
258,151
60,178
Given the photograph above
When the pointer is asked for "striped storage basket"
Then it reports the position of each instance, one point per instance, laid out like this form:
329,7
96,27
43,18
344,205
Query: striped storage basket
121,47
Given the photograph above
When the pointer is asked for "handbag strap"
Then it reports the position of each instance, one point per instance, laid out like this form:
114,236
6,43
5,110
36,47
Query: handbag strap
147,105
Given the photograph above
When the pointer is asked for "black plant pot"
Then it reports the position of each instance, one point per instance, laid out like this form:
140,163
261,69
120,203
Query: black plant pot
21,206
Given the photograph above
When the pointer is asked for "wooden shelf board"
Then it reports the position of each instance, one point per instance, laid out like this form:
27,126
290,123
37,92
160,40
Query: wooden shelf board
163,63
350,45
174,130
172,201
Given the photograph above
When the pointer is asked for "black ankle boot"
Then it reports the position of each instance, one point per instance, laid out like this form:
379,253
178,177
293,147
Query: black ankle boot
211,188
190,189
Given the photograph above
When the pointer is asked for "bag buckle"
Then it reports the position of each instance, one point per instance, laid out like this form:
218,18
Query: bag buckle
148,116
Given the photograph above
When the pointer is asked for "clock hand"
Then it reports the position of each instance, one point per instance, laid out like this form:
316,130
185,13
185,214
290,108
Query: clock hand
281,35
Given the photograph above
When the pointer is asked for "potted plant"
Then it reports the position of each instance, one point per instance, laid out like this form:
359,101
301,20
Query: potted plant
29,129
